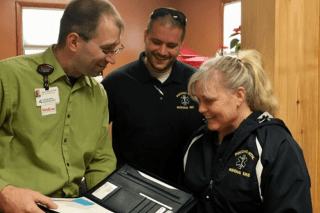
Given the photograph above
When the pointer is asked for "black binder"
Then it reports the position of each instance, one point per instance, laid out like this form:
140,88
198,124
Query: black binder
130,189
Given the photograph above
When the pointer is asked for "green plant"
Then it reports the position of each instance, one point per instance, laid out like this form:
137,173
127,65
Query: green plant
235,42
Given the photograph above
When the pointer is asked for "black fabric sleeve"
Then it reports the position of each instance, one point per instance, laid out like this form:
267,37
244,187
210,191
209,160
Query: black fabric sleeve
285,180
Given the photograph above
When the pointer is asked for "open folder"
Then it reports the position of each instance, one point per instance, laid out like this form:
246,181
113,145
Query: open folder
129,190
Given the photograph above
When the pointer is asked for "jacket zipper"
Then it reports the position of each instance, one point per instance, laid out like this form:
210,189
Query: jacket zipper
209,187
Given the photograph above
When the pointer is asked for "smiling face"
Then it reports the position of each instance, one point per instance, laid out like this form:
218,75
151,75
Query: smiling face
219,106
162,46
91,58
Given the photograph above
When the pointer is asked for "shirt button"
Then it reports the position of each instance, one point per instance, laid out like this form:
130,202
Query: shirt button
65,140
207,197
161,98
68,164
68,116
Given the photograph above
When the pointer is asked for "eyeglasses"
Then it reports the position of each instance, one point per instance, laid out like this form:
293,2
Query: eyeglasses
176,14
107,53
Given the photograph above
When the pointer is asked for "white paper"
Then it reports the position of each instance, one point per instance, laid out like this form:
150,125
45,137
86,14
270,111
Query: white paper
104,190
70,205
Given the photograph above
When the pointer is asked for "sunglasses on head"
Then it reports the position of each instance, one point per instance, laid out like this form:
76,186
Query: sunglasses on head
177,15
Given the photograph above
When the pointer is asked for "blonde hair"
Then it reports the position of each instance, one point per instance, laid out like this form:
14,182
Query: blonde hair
246,71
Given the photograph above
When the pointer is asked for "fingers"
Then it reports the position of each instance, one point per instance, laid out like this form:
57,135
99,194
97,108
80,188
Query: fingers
44,200
32,208
15,199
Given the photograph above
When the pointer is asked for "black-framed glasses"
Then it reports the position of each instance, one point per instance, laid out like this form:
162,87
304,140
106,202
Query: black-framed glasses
106,52
176,14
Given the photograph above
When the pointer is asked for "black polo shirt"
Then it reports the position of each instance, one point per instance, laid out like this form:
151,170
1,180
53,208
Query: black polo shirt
152,121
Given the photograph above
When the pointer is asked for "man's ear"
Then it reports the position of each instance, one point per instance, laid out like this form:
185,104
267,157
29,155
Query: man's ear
145,35
73,42
180,46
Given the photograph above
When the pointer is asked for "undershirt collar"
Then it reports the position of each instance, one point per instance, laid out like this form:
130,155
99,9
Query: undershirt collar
161,76
72,80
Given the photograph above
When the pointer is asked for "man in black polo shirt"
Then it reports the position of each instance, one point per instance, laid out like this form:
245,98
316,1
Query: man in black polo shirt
151,112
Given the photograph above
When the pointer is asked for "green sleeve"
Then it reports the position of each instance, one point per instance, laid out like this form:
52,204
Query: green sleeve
2,108
104,161
3,184
2,118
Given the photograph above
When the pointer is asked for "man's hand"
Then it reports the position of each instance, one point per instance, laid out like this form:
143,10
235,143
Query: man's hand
21,200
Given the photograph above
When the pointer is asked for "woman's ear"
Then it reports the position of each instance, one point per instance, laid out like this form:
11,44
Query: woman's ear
241,95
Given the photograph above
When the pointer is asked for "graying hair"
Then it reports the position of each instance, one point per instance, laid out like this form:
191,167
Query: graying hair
246,71
84,16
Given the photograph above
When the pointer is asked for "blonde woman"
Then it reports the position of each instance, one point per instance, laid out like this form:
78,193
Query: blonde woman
243,159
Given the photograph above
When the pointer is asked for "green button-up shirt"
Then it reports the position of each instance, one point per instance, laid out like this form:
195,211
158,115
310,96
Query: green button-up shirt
51,153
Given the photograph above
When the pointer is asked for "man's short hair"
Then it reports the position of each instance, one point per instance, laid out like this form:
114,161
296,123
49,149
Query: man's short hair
83,16
169,17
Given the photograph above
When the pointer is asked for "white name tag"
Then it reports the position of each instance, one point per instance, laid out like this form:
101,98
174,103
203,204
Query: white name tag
46,97
47,100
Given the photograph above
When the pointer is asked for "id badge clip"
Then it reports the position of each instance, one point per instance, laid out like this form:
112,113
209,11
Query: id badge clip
47,98
45,70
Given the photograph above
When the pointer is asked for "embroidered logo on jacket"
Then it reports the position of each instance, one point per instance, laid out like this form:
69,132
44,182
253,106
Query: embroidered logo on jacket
241,163
184,100
242,158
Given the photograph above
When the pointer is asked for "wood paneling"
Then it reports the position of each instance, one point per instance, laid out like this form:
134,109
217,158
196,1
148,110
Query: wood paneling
286,32
296,78
258,30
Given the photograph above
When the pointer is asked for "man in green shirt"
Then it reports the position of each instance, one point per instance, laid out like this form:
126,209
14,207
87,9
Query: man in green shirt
54,126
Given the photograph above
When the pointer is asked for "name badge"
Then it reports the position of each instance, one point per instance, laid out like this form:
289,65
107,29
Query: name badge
45,97
47,100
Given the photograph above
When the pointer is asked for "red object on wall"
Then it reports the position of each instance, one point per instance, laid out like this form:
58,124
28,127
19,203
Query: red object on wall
191,57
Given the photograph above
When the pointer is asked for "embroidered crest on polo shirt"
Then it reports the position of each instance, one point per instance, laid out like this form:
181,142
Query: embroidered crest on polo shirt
242,158
184,101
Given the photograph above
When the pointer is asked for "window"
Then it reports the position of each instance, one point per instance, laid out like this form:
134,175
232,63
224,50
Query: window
40,28
231,20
